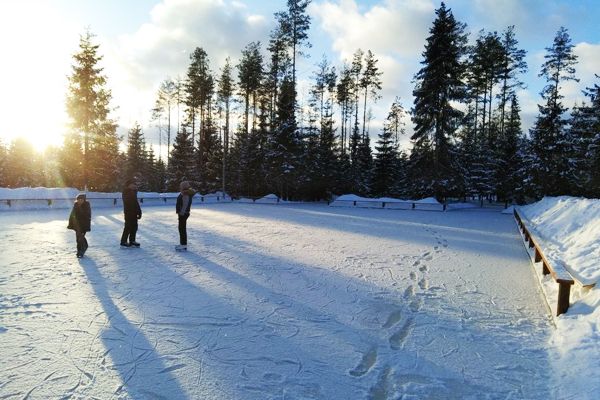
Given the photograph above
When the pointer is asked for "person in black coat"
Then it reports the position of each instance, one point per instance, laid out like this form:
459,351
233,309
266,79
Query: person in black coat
132,212
80,220
182,208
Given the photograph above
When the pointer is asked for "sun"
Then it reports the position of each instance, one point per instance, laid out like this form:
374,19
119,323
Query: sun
34,71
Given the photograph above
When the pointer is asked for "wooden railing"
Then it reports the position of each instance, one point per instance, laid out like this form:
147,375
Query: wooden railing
558,273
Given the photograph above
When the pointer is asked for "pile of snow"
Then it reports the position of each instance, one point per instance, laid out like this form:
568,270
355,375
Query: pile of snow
352,200
569,229
268,199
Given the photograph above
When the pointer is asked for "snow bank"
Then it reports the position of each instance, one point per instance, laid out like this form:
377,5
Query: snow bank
352,200
570,230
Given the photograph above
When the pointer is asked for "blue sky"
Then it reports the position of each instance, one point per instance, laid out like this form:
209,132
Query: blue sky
145,41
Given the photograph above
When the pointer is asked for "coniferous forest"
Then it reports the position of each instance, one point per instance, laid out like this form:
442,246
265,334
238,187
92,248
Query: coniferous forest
241,129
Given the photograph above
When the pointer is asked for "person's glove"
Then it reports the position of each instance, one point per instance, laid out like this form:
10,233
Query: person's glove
139,216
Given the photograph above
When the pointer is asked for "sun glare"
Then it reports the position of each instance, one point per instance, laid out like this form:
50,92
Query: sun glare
34,72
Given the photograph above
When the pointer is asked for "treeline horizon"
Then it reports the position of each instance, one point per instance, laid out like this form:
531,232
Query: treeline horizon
467,140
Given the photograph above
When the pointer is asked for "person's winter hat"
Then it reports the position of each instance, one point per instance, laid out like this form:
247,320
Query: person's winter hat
129,181
184,185
81,196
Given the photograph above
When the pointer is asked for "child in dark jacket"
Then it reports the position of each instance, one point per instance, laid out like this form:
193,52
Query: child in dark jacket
182,208
80,221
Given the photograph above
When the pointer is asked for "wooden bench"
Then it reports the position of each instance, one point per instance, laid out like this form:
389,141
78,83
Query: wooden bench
559,273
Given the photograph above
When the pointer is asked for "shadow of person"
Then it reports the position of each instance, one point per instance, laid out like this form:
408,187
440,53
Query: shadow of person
142,370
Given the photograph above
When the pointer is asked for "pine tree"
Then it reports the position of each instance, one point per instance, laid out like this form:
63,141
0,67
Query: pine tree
283,144
226,87
439,84
512,63
250,73
344,99
71,161
356,72
199,88
181,166
280,64
322,148
136,156
166,99
294,25
548,135
508,177
585,157
155,172
50,168
386,168
21,161
88,102
370,84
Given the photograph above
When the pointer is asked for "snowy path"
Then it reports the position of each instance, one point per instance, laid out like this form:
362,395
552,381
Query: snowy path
272,302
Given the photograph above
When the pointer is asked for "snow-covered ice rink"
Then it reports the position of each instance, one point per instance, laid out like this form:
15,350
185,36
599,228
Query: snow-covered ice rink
272,302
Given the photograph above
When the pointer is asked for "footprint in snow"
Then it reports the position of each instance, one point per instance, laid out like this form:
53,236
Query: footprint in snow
397,339
393,319
409,292
365,365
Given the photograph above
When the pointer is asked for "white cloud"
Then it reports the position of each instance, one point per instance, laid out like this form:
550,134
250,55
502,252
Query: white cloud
398,27
394,30
139,62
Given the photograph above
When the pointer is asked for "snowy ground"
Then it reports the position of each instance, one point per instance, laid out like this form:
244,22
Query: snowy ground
273,302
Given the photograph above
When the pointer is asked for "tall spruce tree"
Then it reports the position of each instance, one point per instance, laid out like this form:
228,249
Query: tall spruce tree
226,87
550,142
585,157
508,177
370,85
284,144
136,156
344,100
181,166
199,87
512,64
71,160
88,102
250,74
439,83
387,158
21,164
324,148
294,25
166,99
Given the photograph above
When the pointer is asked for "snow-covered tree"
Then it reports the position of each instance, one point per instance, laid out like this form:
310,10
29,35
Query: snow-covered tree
549,138
439,84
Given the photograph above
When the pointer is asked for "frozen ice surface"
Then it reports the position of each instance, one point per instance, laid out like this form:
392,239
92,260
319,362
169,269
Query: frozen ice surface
272,302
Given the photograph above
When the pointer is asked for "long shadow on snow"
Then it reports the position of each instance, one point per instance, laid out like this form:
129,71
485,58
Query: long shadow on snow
291,304
133,356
